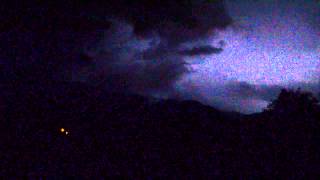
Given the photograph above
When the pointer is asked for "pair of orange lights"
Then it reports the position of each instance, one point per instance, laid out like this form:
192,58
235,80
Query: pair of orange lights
64,131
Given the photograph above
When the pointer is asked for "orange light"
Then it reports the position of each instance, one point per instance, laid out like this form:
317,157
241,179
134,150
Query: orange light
62,130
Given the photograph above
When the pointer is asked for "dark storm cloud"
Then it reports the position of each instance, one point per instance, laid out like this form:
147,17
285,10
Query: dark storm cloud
232,95
202,50
249,98
122,61
126,45
173,19
245,90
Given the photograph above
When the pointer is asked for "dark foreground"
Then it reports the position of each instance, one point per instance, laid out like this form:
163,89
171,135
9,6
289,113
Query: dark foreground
118,135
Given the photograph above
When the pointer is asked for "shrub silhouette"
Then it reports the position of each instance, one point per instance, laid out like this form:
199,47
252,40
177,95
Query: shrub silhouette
294,102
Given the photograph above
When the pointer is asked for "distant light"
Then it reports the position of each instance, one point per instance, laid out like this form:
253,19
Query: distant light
67,132
62,130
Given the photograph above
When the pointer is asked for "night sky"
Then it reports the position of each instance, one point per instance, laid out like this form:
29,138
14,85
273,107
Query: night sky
269,43
160,88
234,55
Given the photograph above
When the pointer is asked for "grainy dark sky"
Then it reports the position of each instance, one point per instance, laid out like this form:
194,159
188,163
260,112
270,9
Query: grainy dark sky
270,44
233,54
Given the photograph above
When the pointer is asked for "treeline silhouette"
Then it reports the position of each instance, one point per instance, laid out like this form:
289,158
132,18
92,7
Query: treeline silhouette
124,135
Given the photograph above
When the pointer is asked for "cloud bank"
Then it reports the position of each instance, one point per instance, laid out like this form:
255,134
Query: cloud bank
270,44
231,54
125,45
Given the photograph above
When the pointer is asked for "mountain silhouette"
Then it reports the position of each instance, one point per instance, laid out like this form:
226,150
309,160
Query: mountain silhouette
63,129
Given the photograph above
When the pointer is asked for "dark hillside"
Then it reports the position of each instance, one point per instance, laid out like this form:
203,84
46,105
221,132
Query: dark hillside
123,135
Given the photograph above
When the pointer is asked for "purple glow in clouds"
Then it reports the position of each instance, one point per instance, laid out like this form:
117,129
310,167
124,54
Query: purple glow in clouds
270,43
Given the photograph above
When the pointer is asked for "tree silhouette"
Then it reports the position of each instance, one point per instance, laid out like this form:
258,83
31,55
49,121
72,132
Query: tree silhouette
294,102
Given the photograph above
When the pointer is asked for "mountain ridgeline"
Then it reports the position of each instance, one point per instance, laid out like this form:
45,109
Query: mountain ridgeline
74,130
